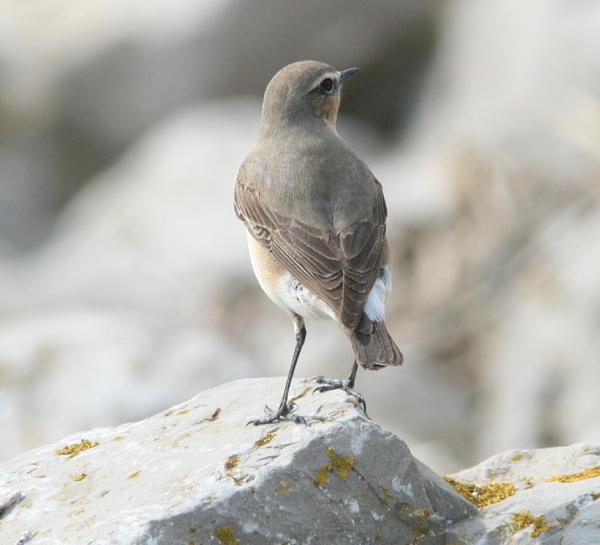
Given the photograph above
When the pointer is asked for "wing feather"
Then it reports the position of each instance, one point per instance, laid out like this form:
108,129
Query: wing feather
341,268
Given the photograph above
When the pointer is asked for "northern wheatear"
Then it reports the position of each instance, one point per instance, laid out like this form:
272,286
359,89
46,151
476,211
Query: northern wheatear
315,217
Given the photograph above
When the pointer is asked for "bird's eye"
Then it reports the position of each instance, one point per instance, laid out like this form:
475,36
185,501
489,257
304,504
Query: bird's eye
327,85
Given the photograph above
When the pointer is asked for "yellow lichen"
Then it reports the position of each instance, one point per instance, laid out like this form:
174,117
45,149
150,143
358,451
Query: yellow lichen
75,448
521,520
232,462
342,463
516,457
119,438
226,535
300,395
525,519
322,475
589,473
419,534
266,439
193,530
423,513
134,475
182,412
540,526
79,476
484,494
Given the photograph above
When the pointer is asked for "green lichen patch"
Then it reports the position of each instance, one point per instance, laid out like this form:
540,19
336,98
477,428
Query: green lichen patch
342,463
525,519
74,449
589,473
484,494
225,535
79,476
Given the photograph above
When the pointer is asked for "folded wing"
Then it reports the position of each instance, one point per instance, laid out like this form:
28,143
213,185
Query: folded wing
341,267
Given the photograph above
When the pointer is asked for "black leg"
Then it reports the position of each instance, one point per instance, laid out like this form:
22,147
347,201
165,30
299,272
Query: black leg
285,409
347,385
352,377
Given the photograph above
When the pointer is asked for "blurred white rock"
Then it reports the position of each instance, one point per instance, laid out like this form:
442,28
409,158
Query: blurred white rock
542,362
114,318
518,83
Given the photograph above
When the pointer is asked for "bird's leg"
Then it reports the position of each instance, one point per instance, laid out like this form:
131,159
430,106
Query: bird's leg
284,412
346,385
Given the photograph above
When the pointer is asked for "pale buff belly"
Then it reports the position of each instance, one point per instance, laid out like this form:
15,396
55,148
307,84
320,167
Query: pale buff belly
282,288
289,294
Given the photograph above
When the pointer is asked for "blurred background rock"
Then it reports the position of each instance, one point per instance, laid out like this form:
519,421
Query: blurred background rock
121,130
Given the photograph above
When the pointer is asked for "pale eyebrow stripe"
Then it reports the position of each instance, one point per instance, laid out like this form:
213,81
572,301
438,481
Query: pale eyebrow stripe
332,75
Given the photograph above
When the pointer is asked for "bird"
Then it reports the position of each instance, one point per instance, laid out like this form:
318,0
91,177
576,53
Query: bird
315,218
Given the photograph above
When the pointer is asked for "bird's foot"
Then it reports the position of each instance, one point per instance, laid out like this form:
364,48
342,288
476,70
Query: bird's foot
328,384
285,412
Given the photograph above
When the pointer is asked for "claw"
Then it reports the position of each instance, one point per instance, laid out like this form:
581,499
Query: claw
298,419
329,384
283,413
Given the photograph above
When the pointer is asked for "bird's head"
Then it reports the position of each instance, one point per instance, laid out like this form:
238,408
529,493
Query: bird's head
302,92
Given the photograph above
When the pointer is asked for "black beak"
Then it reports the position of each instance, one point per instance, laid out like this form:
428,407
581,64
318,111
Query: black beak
345,74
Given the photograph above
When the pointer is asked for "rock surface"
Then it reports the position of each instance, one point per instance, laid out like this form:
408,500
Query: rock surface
551,497
197,474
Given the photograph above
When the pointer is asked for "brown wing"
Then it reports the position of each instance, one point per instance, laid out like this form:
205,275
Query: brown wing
341,268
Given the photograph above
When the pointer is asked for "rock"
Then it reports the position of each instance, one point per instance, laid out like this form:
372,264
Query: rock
197,473
542,497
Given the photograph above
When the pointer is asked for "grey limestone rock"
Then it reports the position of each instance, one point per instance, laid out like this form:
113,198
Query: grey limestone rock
552,498
197,474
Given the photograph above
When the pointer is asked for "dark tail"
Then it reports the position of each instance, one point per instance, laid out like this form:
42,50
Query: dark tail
373,347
